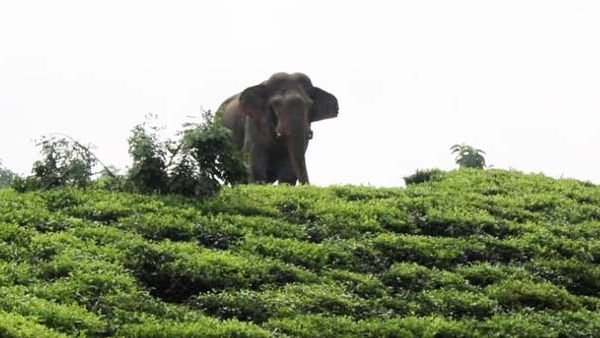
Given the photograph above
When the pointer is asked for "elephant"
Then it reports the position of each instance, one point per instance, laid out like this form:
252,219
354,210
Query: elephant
271,123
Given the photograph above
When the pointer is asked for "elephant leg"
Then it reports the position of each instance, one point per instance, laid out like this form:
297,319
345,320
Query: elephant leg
259,159
296,148
286,172
272,173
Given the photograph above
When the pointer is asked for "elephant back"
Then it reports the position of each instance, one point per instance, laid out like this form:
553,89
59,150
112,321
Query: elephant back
231,117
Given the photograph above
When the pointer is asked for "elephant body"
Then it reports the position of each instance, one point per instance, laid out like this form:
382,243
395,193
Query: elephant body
271,122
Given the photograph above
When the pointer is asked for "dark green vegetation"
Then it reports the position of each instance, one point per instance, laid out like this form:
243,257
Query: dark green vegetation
468,156
196,164
471,253
6,176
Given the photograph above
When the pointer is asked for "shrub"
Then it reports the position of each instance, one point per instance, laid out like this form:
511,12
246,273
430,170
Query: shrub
208,147
555,324
518,294
415,277
176,271
342,326
70,319
580,278
200,328
21,184
60,199
212,232
6,177
362,285
468,156
16,274
290,300
456,304
195,166
484,274
424,250
315,326
148,172
516,325
264,226
99,211
65,162
16,326
457,222
312,256
424,175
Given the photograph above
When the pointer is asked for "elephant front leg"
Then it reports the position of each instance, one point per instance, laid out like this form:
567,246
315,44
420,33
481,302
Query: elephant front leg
286,172
296,148
259,160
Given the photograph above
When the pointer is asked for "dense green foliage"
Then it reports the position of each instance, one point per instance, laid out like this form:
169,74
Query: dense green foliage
471,254
197,164
468,156
424,175
6,176
65,163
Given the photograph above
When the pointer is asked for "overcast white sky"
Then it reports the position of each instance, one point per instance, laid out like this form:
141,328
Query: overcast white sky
518,79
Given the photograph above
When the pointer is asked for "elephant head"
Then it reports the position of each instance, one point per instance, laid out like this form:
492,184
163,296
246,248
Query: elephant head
282,109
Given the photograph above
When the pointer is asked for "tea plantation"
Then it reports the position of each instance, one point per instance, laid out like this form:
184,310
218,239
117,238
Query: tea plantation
472,253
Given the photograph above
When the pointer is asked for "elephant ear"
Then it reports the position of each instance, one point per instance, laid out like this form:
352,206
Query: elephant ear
253,100
325,105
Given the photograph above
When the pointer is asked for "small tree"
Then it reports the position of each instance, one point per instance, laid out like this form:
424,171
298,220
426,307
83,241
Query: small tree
6,176
468,156
148,172
110,179
206,160
65,163
198,164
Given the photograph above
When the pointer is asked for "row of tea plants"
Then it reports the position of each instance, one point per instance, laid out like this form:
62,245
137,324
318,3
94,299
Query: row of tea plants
466,253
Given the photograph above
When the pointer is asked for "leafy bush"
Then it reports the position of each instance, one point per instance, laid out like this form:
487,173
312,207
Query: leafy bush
279,303
580,278
69,319
148,174
65,162
415,277
200,329
196,165
363,285
468,156
16,326
516,294
342,326
212,232
6,176
456,304
208,146
424,175
484,274
176,271
557,324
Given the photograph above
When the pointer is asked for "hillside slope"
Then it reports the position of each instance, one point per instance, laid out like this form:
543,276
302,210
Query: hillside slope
477,253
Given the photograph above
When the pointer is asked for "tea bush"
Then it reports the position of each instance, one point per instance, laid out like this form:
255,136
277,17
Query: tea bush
415,277
13,325
472,253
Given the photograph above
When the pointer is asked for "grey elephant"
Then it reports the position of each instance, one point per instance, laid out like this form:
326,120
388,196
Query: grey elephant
271,122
